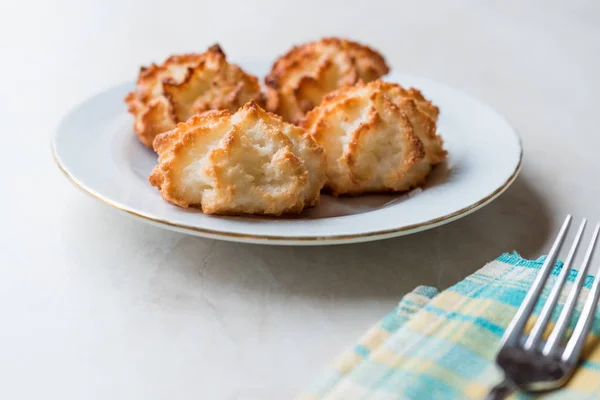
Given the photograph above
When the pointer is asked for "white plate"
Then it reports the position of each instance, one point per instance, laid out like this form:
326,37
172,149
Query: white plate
95,147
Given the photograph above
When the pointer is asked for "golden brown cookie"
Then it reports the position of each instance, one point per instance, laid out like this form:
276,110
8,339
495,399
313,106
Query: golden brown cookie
377,137
299,79
250,162
185,85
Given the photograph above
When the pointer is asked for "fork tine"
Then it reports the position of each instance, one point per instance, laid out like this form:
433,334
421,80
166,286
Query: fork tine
584,323
535,336
554,340
515,328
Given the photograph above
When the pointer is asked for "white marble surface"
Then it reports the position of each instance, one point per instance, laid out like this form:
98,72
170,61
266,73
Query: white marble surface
95,305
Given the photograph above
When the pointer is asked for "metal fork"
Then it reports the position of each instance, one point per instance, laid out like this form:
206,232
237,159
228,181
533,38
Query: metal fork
530,363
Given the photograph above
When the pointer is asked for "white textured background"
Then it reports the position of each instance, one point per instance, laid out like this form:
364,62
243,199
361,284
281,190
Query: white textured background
94,305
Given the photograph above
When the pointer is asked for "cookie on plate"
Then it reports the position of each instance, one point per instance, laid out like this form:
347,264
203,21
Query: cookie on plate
377,137
249,162
299,79
185,85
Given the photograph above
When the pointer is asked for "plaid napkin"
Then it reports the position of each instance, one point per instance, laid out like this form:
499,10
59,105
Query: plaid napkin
442,346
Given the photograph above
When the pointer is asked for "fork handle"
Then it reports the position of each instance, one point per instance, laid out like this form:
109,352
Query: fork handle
501,391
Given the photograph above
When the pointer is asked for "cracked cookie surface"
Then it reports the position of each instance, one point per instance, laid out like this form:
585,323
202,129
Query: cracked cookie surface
185,85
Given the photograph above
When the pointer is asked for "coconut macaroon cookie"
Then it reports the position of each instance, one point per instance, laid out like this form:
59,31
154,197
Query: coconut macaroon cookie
185,85
250,162
377,137
299,79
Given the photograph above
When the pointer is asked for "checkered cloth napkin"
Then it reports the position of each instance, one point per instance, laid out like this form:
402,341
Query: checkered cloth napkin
442,345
